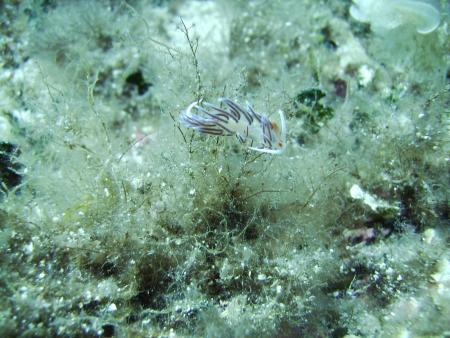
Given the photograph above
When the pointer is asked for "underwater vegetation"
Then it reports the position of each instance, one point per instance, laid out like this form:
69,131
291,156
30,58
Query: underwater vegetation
118,221
10,170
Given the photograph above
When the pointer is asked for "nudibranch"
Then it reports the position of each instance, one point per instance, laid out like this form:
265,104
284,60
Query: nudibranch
249,127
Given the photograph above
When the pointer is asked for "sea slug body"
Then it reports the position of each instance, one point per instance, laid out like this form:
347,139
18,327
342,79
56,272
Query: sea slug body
249,127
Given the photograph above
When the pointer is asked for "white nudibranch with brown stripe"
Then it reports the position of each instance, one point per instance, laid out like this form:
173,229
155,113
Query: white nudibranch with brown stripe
248,126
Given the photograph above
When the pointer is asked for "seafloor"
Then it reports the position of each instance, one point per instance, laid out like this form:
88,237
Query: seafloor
118,220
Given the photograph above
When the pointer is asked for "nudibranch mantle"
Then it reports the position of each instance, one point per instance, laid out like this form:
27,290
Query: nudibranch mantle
248,126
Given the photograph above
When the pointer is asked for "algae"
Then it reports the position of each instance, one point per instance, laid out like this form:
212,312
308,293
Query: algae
115,220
